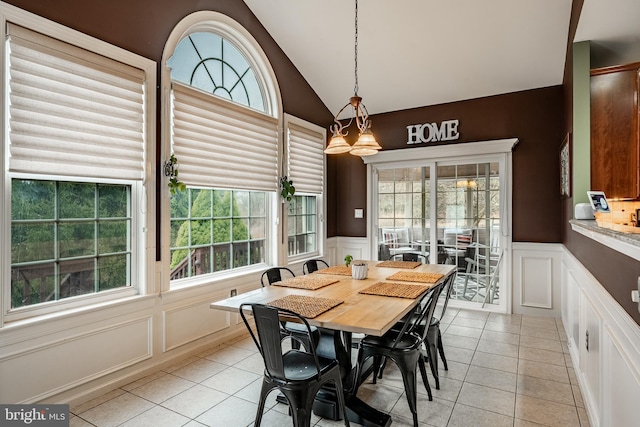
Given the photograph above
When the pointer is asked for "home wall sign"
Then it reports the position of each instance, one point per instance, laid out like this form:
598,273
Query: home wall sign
431,132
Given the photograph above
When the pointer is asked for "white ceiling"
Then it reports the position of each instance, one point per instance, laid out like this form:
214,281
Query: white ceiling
414,53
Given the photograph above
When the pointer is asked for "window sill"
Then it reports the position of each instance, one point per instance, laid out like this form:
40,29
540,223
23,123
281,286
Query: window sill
625,243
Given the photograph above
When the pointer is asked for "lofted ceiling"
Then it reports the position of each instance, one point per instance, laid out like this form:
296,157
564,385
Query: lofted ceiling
414,53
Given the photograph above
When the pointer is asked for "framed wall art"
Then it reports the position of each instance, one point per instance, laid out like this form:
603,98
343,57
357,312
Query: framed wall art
565,166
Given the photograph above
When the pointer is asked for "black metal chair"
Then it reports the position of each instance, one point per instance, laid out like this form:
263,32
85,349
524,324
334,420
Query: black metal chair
434,337
276,274
403,346
433,343
384,253
313,265
297,374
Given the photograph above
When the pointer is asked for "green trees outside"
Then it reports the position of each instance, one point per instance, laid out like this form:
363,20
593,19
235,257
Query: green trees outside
67,239
215,217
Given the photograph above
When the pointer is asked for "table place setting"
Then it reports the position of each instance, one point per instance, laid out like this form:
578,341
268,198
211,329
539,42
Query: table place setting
409,276
399,290
311,282
399,264
306,306
336,269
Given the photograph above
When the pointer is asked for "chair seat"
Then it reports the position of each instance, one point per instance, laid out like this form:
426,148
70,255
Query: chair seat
388,341
299,331
300,366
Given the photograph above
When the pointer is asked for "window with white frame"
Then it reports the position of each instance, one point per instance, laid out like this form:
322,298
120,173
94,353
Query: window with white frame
224,135
77,120
305,166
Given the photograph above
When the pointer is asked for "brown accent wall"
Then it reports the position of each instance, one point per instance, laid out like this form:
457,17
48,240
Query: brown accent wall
535,117
143,26
616,272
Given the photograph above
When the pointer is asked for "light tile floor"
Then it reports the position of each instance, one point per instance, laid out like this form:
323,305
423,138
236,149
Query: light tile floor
504,370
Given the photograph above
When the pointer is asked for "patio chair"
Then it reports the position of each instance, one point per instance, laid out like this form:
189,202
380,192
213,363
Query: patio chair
477,278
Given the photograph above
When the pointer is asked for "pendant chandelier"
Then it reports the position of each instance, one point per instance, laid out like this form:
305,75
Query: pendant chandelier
366,144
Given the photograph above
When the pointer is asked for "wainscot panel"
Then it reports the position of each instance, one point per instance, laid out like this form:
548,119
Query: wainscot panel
52,367
536,278
191,322
609,370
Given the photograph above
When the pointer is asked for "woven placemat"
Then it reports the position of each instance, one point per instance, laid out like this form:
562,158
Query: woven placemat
410,276
312,282
336,269
400,290
399,264
306,306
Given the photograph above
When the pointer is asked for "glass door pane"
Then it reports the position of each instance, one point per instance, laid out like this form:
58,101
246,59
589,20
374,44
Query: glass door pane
465,232
403,214
468,223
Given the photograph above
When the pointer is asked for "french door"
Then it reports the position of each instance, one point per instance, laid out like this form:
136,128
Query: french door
447,212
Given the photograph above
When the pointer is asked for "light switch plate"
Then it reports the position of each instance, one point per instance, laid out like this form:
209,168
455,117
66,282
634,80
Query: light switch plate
358,213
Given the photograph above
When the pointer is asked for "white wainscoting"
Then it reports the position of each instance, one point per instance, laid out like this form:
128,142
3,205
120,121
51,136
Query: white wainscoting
339,247
609,370
44,367
536,278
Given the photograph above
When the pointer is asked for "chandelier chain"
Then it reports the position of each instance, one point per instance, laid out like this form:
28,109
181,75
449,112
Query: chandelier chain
355,88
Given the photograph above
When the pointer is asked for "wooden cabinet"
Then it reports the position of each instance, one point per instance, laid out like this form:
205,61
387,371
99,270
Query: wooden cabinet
615,132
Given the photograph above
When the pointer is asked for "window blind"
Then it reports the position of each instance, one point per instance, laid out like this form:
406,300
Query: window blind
222,144
306,156
71,111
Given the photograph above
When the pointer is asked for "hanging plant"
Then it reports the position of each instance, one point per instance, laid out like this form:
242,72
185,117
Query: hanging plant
287,190
171,171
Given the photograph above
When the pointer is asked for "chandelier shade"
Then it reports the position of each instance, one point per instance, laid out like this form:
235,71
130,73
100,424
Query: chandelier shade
366,145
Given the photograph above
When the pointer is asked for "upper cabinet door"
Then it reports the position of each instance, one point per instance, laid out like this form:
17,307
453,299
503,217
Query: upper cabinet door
615,141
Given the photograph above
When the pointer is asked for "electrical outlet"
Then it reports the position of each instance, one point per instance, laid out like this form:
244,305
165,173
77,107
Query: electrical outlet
234,292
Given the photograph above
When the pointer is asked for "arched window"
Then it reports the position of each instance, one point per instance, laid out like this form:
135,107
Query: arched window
213,64
223,107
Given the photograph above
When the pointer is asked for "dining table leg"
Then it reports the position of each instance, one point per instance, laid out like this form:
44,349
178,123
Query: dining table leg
337,345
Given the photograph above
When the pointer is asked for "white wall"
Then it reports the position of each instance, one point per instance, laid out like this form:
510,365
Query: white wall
609,370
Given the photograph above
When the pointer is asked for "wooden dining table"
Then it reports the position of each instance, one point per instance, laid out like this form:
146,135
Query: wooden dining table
355,312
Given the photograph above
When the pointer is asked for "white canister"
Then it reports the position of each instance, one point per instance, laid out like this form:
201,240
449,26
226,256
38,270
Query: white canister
359,271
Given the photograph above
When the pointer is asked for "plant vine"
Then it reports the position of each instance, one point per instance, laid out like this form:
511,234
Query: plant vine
287,190
171,171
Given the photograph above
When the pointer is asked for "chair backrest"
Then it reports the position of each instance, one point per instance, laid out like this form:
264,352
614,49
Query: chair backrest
313,265
267,321
383,252
495,271
274,274
427,305
446,290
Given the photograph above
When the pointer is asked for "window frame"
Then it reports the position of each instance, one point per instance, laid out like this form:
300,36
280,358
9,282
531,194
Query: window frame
142,196
319,231
209,21
190,280
320,206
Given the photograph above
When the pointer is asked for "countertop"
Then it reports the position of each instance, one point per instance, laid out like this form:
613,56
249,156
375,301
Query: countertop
626,243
